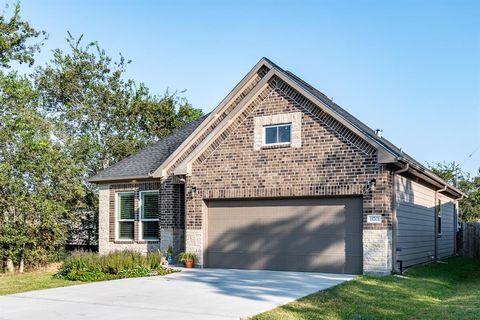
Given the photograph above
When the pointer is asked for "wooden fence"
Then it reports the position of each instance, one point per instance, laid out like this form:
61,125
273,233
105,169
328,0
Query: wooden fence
469,239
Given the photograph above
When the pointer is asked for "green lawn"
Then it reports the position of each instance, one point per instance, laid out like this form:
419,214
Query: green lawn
29,281
436,291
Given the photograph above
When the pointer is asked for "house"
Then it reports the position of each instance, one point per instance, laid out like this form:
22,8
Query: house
279,177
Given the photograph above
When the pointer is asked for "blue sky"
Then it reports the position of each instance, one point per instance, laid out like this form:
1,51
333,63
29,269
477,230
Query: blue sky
411,68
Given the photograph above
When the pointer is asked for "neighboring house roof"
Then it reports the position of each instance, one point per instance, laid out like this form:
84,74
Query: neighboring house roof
153,161
140,165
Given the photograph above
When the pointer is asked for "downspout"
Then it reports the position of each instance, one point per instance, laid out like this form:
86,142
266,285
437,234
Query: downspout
185,203
394,218
436,220
455,224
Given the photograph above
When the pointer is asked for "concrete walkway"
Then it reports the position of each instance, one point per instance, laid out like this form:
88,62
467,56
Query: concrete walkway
190,294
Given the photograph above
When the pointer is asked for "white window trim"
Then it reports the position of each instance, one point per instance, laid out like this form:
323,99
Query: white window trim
117,216
141,220
265,144
294,118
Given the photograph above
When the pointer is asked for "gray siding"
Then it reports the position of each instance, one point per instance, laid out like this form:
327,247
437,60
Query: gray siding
446,242
416,224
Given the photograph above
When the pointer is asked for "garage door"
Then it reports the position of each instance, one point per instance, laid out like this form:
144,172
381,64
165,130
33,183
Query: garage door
319,235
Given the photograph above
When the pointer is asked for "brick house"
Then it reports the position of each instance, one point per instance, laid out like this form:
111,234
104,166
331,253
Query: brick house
279,177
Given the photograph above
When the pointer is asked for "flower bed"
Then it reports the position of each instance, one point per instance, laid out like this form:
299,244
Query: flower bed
117,265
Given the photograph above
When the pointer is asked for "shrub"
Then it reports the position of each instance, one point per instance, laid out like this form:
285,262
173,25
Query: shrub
155,260
135,272
116,265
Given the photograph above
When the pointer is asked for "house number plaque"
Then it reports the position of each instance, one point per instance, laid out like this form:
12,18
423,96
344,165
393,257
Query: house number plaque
374,218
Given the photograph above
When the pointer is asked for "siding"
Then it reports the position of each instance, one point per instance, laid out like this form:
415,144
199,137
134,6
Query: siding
416,224
446,243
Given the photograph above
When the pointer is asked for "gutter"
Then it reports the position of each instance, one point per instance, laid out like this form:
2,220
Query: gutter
108,179
395,220
455,224
427,175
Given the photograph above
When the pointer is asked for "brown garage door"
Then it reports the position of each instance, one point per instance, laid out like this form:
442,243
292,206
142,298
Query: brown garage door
320,235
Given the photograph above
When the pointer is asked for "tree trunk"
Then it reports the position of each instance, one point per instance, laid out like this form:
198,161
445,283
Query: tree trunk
10,266
21,267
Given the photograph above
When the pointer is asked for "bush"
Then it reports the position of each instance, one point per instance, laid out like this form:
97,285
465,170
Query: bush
116,265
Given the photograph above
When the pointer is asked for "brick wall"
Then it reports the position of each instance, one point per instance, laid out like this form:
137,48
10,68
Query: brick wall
171,221
256,79
332,161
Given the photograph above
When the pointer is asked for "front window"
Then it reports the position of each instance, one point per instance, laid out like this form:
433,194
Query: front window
149,214
125,215
278,134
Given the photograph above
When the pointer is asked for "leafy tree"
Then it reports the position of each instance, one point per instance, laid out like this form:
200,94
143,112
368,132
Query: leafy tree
103,116
187,113
453,174
14,37
39,183
59,126
106,117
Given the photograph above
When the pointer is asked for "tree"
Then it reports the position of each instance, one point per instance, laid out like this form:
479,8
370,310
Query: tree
453,174
39,184
103,116
15,35
106,117
71,118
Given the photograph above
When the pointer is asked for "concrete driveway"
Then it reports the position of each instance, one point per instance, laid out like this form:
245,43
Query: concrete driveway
190,294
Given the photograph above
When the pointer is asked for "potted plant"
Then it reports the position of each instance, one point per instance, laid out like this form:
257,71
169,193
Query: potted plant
188,259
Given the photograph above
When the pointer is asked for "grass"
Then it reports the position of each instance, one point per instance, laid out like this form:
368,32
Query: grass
10,284
448,290
83,267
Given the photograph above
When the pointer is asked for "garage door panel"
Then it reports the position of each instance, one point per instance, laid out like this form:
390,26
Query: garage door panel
250,242
280,221
309,263
286,234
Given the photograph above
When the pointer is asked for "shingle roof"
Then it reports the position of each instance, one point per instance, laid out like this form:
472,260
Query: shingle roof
141,164
353,120
398,152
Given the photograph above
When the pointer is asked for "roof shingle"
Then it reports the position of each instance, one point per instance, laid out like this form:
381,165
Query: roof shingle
141,164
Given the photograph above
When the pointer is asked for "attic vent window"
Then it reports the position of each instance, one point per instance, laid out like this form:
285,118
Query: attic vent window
278,134
277,130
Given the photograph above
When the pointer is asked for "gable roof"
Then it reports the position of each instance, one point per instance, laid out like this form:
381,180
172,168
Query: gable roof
351,119
170,149
141,165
